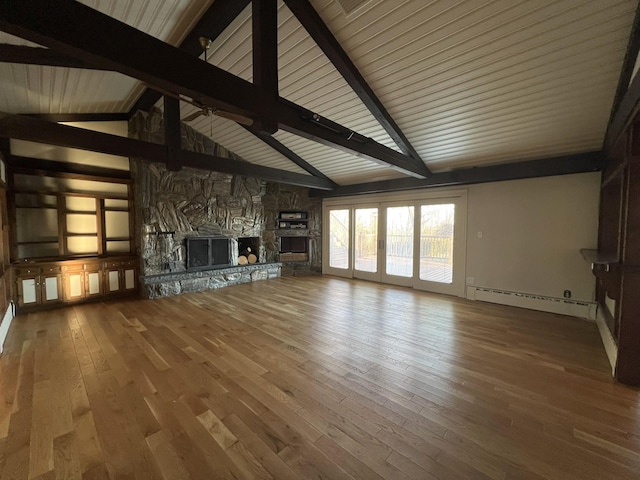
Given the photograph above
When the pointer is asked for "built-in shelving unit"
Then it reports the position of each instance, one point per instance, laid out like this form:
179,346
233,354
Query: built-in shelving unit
293,227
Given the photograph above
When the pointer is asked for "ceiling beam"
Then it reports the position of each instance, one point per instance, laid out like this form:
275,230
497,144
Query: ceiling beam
218,17
627,97
67,169
312,22
264,22
31,129
290,154
40,56
546,167
172,132
77,30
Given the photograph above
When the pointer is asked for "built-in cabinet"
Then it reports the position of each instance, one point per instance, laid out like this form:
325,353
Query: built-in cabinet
68,281
38,284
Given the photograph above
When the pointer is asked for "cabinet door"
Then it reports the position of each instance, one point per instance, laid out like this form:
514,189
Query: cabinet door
93,283
74,286
51,288
28,290
113,280
130,279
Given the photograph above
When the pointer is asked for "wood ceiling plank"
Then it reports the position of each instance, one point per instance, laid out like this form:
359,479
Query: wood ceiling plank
311,21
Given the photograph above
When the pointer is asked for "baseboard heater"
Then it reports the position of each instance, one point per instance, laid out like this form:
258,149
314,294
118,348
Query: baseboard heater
562,306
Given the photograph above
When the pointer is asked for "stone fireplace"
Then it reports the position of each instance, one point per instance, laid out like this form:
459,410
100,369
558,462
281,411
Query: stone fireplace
173,208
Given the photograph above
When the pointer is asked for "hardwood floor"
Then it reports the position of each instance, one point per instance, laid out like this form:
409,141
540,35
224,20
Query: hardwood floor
311,377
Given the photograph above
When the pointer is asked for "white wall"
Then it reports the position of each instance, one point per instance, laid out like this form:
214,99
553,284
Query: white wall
532,233
73,155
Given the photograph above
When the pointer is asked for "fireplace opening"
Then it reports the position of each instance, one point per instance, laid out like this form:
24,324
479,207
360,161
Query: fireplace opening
293,244
248,250
208,252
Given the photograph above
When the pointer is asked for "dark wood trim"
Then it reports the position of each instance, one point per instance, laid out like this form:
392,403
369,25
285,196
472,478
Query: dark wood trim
77,30
236,167
312,22
80,117
172,135
631,55
23,128
35,130
290,154
41,56
563,165
53,168
264,22
218,17
100,226
627,98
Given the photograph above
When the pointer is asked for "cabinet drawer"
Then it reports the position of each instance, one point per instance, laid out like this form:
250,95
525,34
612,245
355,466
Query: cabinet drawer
51,269
30,270
112,264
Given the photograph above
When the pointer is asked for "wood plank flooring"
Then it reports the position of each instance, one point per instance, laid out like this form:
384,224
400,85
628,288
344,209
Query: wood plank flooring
311,377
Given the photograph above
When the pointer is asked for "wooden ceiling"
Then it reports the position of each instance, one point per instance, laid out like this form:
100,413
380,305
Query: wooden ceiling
394,95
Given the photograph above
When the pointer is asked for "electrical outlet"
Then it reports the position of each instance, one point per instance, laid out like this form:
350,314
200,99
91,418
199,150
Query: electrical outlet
479,234
567,294
471,280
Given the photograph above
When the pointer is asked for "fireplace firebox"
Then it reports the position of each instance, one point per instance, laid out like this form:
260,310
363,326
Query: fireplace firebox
208,252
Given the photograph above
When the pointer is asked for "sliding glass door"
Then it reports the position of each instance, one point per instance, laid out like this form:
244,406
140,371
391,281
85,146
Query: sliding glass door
418,243
366,244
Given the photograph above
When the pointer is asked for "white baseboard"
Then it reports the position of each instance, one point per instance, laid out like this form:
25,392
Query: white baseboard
610,345
562,306
5,324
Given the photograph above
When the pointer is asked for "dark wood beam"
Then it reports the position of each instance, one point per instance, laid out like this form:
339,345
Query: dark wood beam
236,167
68,170
264,21
218,17
627,97
77,30
31,129
290,154
40,56
563,165
311,21
79,117
172,135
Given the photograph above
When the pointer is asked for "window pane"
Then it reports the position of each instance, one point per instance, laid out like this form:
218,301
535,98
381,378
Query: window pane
116,224
78,245
339,239
436,242
366,244
34,224
81,204
81,223
399,249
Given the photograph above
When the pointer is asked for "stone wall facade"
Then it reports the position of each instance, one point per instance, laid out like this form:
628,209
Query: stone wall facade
170,206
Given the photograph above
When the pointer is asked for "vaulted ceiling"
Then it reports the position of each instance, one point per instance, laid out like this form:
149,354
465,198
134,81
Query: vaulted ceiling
399,93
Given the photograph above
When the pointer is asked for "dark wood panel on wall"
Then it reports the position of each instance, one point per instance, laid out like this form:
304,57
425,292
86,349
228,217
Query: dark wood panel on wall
619,240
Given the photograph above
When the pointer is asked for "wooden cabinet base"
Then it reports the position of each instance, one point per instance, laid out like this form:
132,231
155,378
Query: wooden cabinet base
42,285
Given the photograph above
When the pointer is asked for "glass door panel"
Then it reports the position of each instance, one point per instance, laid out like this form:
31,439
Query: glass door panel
399,243
339,239
442,237
366,244
436,242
